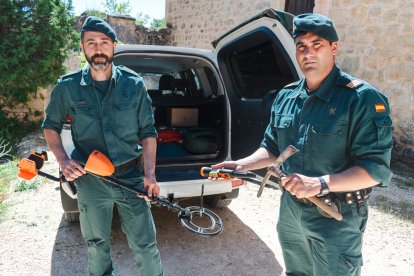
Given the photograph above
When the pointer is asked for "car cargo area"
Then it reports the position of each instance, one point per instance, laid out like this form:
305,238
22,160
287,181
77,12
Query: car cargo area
189,106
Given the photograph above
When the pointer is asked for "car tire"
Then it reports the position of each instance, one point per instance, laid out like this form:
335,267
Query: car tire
215,202
221,200
72,216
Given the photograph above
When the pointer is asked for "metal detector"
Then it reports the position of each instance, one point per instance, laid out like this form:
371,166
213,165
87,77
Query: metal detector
196,219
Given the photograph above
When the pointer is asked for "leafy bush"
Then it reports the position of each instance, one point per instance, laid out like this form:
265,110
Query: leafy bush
26,185
36,37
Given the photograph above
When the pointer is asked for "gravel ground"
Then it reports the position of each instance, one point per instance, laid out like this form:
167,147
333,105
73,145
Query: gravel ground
36,239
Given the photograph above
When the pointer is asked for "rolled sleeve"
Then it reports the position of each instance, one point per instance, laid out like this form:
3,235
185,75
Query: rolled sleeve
269,141
49,124
55,111
372,136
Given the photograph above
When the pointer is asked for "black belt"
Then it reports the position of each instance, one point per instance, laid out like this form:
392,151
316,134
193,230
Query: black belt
346,197
353,197
123,167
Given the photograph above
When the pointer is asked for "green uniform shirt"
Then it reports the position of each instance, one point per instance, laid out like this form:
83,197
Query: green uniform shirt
111,122
344,123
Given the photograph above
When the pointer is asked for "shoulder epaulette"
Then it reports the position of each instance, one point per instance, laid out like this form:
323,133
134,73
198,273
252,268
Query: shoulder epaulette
71,74
354,84
349,81
292,84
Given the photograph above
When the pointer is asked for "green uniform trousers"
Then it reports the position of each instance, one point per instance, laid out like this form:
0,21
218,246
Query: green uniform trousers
315,245
96,199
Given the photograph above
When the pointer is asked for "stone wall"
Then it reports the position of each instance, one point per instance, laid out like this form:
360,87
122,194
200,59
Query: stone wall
376,44
196,23
130,33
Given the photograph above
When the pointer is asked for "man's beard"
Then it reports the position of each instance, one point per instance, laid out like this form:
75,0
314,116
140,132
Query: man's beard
99,65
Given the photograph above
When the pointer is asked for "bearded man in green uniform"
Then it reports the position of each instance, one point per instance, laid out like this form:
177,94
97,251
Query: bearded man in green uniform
342,127
110,111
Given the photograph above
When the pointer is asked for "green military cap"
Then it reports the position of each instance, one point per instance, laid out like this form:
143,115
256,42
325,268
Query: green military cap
314,23
96,24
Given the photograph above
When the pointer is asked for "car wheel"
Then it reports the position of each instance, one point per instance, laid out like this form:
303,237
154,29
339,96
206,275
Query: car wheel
215,202
72,216
221,200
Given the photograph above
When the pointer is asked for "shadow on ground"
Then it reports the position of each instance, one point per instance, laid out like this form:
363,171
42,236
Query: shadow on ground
237,251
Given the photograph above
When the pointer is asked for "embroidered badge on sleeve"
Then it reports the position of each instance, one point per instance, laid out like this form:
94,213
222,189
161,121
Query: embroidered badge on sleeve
379,108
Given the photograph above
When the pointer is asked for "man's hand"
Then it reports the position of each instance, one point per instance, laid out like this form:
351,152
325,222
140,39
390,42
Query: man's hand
151,187
301,186
71,169
231,165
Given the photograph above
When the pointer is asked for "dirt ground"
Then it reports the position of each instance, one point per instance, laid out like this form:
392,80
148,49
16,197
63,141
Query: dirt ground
36,239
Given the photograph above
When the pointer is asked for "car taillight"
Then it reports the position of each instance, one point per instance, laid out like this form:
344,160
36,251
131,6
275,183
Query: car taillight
235,182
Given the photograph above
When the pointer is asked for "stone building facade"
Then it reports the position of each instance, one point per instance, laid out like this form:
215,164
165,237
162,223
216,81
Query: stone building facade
376,44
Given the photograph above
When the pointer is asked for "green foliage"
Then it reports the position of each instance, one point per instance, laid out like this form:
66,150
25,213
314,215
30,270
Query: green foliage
36,36
142,19
26,185
8,173
83,60
158,23
113,7
145,20
96,13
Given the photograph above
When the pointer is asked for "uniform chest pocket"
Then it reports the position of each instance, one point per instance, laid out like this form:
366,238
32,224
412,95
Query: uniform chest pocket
126,119
328,139
84,121
283,128
124,105
328,128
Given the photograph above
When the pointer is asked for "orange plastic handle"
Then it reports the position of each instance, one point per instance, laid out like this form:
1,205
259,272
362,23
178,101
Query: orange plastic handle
27,169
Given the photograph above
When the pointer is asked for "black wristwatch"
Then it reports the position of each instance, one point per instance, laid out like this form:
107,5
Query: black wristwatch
324,187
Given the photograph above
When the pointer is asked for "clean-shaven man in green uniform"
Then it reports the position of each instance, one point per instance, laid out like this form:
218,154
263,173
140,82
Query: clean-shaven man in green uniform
110,111
342,127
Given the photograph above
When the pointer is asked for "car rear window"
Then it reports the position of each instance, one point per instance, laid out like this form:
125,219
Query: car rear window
259,69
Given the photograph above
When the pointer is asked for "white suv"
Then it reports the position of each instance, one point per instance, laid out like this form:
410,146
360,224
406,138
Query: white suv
210,106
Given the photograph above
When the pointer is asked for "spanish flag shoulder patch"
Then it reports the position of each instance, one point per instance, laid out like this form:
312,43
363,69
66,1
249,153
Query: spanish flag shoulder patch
354,84
379,108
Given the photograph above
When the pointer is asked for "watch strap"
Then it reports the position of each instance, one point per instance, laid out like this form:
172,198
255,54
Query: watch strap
324,187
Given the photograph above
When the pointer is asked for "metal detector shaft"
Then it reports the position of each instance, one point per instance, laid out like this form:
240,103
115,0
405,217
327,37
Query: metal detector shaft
48,176
159,200
185,215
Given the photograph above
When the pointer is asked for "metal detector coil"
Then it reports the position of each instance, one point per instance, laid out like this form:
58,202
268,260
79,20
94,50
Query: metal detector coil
210,224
